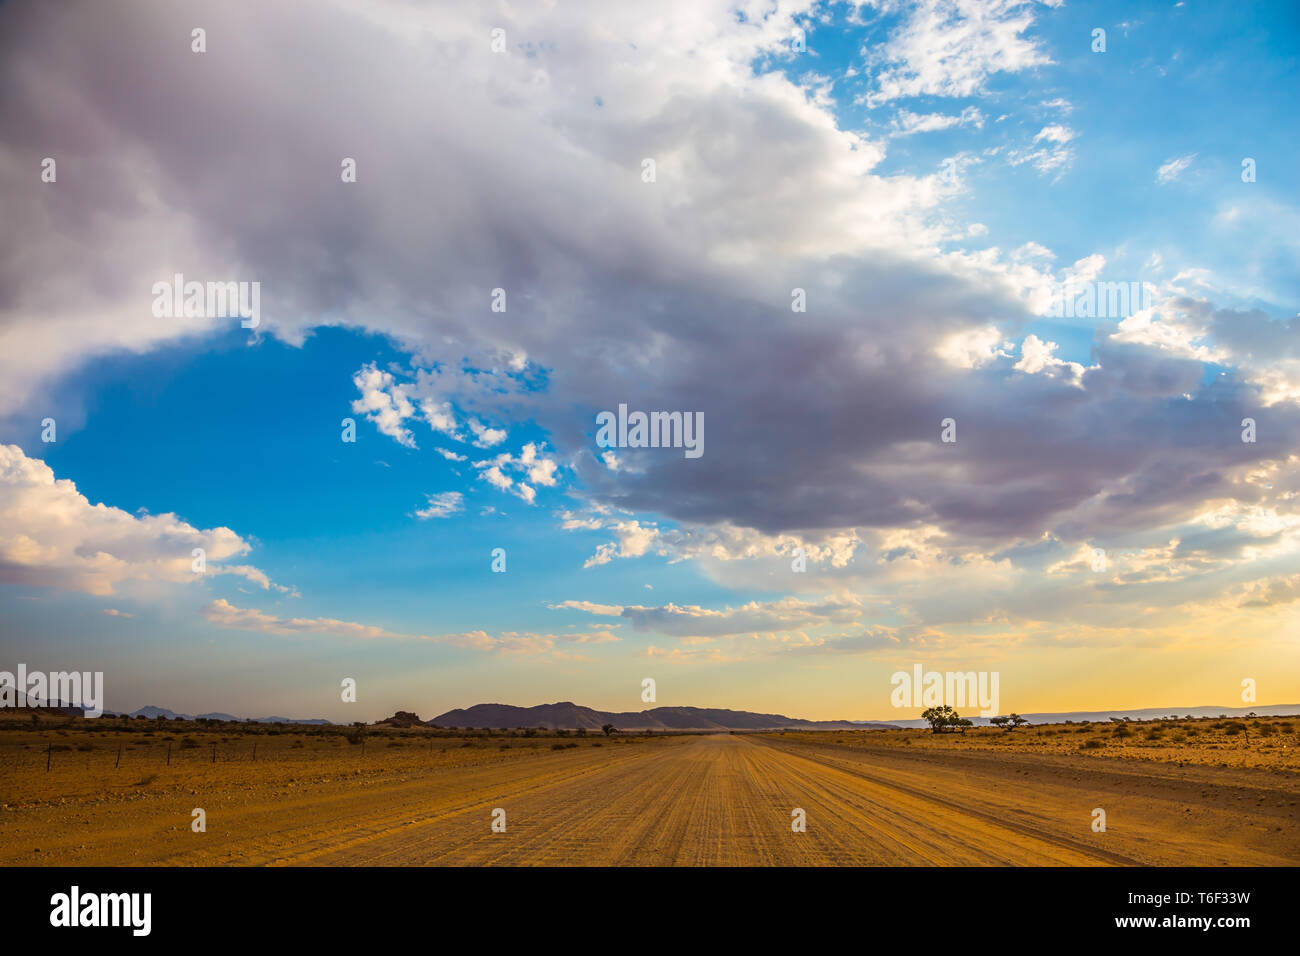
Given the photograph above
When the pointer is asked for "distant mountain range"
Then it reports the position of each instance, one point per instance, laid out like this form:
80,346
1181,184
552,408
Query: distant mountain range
570,716
59,706
150,711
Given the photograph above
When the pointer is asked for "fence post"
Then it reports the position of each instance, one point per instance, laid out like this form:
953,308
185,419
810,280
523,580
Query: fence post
169,755
118,761
214,753
254,751
49,749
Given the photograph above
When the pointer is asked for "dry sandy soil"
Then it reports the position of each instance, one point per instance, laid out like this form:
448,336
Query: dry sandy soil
869,798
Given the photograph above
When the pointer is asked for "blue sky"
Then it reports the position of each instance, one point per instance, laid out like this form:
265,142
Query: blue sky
822,170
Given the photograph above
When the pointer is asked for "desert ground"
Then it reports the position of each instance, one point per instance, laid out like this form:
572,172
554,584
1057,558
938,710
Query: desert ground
1193,792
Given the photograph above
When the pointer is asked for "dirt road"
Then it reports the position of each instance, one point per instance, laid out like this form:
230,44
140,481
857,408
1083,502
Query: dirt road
723,800
715,800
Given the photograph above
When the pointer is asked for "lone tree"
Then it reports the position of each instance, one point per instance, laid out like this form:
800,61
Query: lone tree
609,729
941,718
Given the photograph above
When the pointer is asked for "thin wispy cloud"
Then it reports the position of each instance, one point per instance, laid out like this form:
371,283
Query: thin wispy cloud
1171,170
